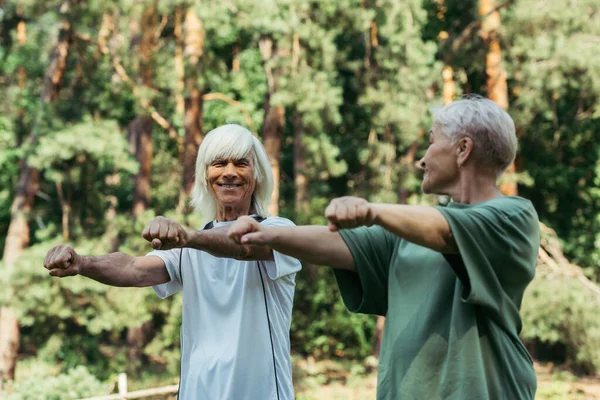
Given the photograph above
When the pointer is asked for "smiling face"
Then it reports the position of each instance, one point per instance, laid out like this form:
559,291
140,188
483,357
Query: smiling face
439,163
232,182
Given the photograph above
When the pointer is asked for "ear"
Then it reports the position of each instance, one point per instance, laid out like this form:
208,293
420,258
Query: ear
464,149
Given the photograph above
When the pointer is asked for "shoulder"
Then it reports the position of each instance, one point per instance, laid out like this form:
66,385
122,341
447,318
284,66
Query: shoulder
503,211
508,213
509,207
277,221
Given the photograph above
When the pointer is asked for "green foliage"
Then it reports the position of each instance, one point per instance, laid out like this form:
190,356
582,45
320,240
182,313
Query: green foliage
321,324
556,106
560,388
8,166
75,384
356,79
558,312
101,140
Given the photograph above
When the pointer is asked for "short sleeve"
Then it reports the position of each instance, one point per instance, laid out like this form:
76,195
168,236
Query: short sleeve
498,243
283,264
366,290
171,258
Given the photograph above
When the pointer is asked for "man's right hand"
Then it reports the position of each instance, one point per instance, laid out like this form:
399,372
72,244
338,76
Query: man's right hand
61,261
165,234
246,230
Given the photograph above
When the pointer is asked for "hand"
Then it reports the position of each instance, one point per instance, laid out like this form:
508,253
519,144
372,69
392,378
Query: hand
246,230
349,212
61,261
165,234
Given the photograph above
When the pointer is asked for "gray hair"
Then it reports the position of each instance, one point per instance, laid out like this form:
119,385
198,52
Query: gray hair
232,141
489,126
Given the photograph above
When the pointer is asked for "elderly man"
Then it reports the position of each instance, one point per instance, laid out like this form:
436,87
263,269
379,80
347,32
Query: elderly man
449,280
237,299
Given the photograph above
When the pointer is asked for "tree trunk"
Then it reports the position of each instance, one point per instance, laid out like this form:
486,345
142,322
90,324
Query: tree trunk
496,86
140,140
140,129
302,195
179,62
274,122
448,88
194,37
17,239
272,135
9,326
18,236
193,138
496,75
58,63
193,50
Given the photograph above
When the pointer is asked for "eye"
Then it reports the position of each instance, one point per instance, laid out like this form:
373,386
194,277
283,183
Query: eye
218,163
242,163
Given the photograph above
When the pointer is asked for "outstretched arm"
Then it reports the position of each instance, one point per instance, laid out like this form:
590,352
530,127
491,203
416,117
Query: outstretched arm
115,269
165,234
312,244
422,225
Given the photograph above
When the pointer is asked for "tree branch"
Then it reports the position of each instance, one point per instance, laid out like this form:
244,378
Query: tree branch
156,116
228,100
458,41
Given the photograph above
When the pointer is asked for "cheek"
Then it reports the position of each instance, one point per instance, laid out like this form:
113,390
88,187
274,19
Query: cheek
211,175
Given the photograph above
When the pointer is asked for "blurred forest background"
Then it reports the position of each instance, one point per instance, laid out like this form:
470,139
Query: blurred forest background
103,104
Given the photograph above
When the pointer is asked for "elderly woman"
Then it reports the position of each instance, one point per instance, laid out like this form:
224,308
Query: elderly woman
449,280
237,299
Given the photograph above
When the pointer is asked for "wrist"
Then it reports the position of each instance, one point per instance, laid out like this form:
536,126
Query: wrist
81,263
193,239
272,235
373,214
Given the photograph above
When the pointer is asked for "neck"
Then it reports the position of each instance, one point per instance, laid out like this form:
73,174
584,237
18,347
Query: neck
474,187
231,213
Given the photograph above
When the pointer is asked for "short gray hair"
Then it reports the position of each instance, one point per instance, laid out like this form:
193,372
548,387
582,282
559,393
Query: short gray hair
232,141
489,126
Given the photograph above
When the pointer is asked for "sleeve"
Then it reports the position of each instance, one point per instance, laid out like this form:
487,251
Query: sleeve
498,246
171,258
366,290
283,264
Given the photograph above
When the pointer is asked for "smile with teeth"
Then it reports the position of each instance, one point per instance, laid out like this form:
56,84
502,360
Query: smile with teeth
229,185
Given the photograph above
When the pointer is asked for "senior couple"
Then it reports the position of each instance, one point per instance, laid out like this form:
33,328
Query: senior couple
449,280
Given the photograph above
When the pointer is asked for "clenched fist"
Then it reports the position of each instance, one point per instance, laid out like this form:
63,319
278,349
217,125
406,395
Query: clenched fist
349,212
61,261
246,230
165,234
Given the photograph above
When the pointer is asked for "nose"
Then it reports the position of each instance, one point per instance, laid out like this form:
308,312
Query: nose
230,170
421,163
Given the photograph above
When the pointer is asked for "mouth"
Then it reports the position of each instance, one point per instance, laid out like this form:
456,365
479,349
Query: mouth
229,185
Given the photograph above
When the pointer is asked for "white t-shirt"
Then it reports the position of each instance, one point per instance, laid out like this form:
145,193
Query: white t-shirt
226,349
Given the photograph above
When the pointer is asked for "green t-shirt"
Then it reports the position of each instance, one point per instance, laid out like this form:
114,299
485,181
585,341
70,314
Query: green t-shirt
452,322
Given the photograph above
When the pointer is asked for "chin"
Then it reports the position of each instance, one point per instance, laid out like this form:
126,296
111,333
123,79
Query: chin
425,188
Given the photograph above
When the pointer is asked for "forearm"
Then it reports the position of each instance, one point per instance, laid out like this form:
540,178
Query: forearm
422,225
216,242
115,269
314,245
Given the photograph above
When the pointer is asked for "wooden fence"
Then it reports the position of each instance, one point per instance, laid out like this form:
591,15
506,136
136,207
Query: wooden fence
138,394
